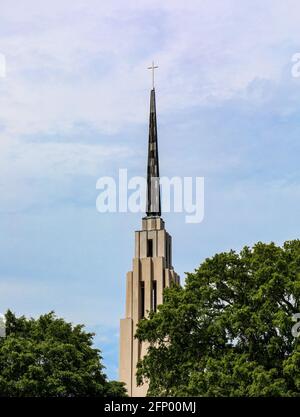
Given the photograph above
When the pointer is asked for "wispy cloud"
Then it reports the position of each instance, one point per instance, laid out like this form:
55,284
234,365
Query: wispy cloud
87,62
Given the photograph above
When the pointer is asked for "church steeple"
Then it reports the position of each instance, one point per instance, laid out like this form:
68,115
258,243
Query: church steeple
152,269
153,207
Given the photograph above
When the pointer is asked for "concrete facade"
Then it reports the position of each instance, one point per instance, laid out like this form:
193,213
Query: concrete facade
152,271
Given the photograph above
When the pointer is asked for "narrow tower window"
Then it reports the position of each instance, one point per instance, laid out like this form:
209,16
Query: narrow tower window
142,286
150,248
170,253
154,295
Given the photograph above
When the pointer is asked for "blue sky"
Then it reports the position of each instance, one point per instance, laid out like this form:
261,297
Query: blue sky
74,107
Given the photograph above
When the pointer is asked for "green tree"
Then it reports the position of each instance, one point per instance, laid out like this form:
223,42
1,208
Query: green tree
50,357
228,331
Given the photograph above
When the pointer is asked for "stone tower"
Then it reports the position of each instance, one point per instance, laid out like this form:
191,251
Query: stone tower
152,268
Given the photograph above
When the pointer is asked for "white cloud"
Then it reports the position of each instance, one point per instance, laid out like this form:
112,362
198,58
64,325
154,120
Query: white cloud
40,172
54,159
79,61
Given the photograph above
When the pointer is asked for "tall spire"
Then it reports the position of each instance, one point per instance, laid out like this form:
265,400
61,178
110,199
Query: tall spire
153,207
152,271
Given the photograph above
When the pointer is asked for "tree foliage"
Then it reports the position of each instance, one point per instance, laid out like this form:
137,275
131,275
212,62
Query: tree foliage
50,357
228,331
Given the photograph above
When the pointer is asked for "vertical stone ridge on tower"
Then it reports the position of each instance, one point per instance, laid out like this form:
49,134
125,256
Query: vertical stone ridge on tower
151,273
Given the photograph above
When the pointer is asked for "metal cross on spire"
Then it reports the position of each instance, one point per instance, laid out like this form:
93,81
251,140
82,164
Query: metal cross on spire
153,67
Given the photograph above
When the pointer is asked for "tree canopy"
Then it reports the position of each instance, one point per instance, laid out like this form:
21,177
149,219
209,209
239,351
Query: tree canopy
50,357
228,332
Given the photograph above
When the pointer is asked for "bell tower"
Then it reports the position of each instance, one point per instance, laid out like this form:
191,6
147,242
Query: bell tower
152,268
